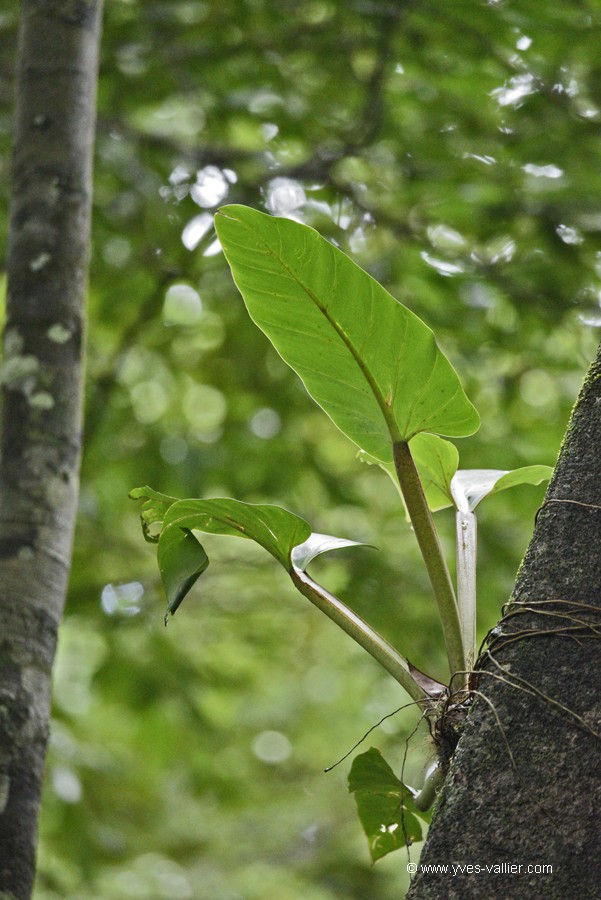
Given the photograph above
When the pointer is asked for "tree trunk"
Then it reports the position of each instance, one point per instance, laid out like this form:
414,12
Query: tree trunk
524,787
42,377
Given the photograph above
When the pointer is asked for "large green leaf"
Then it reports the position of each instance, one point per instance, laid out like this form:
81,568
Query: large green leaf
368,361
385,805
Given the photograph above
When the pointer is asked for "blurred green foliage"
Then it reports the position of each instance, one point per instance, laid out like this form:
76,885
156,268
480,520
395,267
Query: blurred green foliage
453,151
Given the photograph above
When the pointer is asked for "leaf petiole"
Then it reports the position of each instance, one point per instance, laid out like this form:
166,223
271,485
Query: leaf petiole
379,648
467,532
429,544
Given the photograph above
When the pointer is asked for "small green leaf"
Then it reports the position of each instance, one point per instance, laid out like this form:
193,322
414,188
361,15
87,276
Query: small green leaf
470,486
371,772
446,485
369,362
385,805
436,461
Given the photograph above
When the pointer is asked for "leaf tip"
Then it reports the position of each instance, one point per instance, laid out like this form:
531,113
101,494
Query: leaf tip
228,212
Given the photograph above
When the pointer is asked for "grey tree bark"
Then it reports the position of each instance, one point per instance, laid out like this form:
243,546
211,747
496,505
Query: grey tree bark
524,787
42,380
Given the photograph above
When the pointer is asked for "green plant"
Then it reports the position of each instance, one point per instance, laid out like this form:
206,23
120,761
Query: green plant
376,370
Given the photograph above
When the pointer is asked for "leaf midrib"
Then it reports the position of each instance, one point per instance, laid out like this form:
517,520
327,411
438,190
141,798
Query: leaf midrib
380,399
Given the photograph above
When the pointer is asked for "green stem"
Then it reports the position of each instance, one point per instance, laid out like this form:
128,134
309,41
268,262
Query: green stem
360,631
429,544
466,581
433,779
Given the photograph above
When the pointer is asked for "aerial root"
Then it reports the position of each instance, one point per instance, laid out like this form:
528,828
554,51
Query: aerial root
579,622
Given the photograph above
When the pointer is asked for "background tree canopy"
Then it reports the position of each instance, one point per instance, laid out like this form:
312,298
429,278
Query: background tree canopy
451,150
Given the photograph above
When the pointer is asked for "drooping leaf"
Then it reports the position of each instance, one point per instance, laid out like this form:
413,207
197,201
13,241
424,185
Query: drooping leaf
181,559
274,528
470,486
287,537
181,563
369,362
385,805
